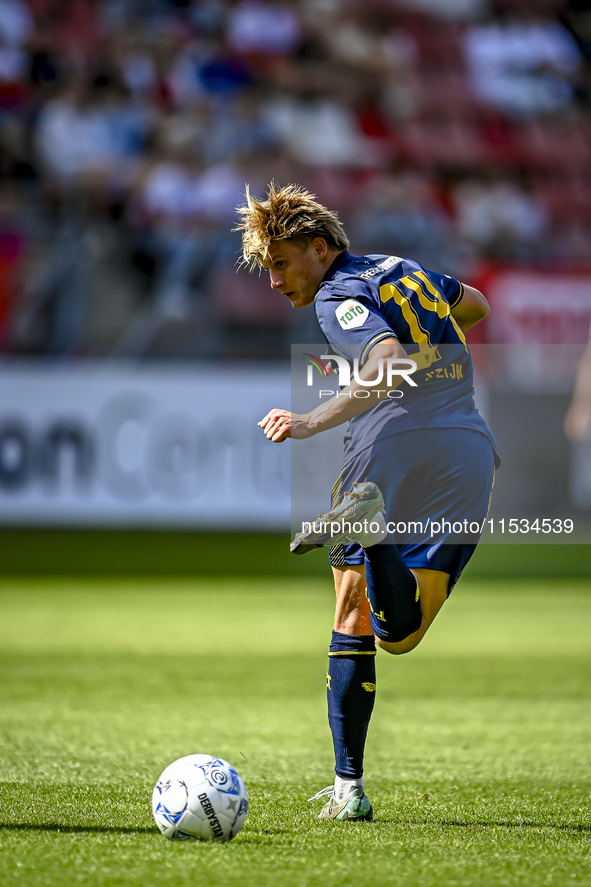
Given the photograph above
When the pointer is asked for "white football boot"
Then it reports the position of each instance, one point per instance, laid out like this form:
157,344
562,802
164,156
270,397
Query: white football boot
360,505
353,805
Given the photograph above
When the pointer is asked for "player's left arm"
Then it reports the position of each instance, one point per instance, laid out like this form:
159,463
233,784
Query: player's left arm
471,309
278,425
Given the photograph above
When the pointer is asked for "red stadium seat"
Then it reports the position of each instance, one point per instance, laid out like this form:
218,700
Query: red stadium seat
246,300
555,146
446,94
429,142
439,41
567,198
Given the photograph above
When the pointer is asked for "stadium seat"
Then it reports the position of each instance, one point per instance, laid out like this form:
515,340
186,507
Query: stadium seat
429,142
555,146
253,321
439,41
567,198
246,300
446,94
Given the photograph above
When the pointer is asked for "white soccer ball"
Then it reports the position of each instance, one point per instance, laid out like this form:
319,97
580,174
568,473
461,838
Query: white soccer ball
201,798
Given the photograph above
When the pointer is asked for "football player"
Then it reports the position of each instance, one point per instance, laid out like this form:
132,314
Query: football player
428,456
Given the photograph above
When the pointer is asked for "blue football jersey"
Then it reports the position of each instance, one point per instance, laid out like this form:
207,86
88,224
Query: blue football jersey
364,299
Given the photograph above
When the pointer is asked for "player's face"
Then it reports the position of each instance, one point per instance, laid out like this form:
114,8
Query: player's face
297,273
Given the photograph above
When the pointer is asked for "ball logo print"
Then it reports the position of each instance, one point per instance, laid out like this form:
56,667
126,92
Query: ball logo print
216,775
200,798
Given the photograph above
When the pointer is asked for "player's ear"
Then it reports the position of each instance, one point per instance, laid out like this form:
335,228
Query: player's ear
320,246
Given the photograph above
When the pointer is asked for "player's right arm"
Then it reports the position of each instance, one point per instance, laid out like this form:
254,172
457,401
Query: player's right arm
279,425
471,309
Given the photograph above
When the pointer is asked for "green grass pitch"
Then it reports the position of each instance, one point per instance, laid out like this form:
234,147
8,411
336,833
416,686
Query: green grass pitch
478,761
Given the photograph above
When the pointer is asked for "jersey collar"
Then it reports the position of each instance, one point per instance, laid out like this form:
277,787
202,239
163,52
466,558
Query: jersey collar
337,264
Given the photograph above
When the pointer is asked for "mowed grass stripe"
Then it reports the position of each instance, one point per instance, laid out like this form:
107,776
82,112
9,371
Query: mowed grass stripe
265,617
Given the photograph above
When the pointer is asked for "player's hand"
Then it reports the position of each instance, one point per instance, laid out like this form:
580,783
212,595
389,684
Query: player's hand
278,425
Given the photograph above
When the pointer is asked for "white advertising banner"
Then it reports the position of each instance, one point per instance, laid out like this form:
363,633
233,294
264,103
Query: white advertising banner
122,444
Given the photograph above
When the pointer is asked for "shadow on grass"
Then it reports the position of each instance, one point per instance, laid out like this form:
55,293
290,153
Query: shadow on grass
76,829
525,823
265,833
485,824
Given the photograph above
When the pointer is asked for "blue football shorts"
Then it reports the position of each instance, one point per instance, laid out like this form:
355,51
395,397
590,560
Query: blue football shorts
437,485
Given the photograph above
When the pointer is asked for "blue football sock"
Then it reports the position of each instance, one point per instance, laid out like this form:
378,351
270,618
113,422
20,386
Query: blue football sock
351,687
392,593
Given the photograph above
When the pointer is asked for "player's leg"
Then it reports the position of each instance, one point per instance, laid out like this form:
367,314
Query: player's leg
407,584
430,504
402,602
350,688
353,615
351,679
393,594
433,588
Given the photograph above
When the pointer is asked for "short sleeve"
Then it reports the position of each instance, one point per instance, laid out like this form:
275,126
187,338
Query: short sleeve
451,288
352,325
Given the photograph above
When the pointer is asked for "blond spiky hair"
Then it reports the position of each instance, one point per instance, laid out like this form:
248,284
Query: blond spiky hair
289,213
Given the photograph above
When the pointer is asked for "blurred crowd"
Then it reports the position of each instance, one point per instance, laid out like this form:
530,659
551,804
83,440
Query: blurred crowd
452,131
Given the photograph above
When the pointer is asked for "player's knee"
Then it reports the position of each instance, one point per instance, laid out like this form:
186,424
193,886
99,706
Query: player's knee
397,648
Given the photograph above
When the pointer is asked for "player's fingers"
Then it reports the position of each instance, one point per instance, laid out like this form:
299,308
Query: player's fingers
271,429
267,423
280,431
265,420
271,417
